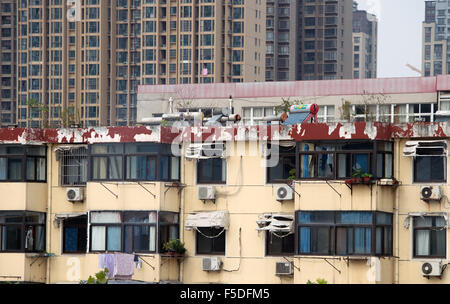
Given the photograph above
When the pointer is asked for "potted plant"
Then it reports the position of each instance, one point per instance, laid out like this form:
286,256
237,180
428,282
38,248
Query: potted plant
357,175
366,177
174,247
291,177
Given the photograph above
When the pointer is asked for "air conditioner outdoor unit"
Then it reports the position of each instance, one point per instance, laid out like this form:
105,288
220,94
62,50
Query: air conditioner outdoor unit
431,193
211,264
206,193
431,269
74,194
284,268
284,193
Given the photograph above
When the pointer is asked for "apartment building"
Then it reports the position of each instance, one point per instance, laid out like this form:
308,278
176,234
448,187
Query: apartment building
326,40
7,62
270,205
436,38
80,61
308,40
365,44
282,40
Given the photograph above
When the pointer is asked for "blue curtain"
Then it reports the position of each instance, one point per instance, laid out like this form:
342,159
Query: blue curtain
305,239
70,239
362,162
306,163
352,217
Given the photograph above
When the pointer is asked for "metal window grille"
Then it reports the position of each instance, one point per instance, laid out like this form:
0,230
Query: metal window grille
73,166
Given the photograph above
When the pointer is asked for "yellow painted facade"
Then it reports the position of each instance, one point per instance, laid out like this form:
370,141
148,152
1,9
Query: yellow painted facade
245,195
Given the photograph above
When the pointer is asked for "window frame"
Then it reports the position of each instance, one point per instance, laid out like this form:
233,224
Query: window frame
123,226
202,181
24,157
212,250
268,252
281,157
372,159
65,157
430,229
166,225
78,226
23,224
160,153
333,234
414,169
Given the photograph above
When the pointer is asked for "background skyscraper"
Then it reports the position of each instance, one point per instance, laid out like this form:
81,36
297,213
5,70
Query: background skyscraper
436,38
365,44
7,62
87,70
309,40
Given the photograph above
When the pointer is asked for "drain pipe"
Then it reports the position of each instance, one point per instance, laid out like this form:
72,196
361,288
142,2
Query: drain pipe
181,211
49,209
396,212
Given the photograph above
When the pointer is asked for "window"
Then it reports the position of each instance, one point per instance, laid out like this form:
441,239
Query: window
429,237
168,228
73,166
280,244
344,233
131,231
338,160
211,171
138,162
283,160
22,231
210,240
139,231
75,234
22,163
430,162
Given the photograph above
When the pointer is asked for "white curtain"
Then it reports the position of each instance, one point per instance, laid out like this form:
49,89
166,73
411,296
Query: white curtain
105,217
444,105
98,238
422,242
152,238
152,217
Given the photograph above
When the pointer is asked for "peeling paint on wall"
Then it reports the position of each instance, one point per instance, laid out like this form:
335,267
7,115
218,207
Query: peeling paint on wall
347,130
306,131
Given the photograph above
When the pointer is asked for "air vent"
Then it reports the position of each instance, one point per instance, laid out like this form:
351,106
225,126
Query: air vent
431,193
74,194
211,264
284,193
431,269
206,193
283,268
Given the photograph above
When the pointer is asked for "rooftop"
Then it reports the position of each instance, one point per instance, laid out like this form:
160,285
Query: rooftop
305,88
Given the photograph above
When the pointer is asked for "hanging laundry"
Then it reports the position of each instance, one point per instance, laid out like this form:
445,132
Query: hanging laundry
123,266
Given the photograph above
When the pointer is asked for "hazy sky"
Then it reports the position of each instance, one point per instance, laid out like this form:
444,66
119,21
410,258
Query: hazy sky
399,35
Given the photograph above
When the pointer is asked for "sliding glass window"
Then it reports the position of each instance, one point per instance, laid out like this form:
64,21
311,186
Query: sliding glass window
133,162
22,163
22,231
344,233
